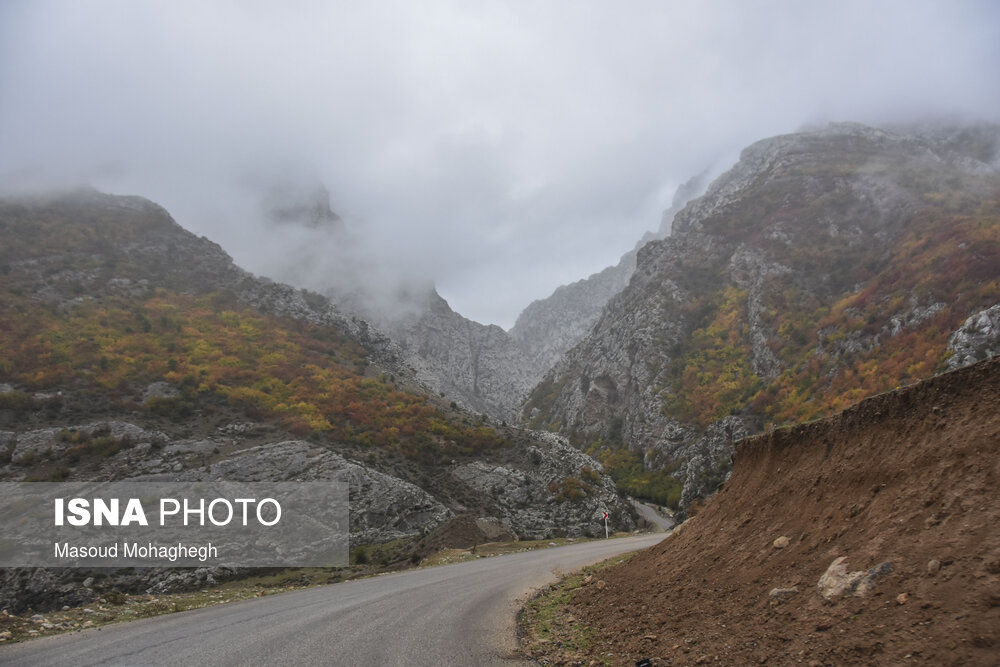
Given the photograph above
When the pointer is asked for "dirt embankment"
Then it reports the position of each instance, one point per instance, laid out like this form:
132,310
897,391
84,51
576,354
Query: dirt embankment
904,486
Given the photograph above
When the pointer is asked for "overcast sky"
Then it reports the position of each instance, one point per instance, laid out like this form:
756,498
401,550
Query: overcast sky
497,148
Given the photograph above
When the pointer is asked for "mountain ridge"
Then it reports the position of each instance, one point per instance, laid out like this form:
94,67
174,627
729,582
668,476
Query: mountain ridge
547,328
824,266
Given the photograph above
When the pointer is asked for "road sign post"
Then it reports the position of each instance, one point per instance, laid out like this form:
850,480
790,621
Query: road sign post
605,525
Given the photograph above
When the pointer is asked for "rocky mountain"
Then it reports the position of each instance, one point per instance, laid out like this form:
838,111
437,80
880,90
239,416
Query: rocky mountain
824,267
549,327
71,249
480,367
297,203
134,349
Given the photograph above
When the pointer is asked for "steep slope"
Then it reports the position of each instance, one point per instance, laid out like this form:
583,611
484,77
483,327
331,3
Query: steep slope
824,267
133,348
549,327
899,490
479,366
68,249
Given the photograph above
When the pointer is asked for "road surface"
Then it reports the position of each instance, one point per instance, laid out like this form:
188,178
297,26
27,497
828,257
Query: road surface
659,522
461,614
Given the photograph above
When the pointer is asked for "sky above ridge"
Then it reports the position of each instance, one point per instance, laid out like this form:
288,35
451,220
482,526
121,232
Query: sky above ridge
499,149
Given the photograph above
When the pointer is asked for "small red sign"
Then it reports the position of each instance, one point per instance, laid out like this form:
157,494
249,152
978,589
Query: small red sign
605,515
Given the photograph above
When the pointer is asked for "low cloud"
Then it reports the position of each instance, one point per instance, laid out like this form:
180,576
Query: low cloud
499,149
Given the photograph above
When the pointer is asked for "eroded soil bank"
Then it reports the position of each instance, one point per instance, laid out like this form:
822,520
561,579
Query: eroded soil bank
904,487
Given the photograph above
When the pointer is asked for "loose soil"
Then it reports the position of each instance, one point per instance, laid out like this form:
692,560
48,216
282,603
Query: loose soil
911,478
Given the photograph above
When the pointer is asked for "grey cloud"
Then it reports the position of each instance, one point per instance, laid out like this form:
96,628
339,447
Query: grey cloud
497,148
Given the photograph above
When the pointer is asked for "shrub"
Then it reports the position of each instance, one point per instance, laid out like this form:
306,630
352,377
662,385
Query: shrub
115,597
176,408
18,401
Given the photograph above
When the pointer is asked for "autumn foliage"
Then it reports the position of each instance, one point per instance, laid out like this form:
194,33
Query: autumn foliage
880,318
309,377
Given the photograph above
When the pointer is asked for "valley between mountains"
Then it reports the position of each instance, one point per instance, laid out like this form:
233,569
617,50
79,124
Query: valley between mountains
823,268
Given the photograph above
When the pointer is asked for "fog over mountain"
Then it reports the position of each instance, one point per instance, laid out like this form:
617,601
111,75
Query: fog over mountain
498,149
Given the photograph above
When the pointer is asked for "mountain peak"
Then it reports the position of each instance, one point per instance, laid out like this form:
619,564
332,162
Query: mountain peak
301,203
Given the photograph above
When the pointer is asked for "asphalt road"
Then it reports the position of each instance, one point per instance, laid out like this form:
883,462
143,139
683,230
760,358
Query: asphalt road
659,522
461,614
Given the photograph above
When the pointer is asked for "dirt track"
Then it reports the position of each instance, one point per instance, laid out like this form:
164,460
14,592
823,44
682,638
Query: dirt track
911,478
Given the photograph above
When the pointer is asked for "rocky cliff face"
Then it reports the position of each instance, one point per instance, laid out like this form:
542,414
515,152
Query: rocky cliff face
978,338
512,490
484,368
825,266
480,367
549,327
539,488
